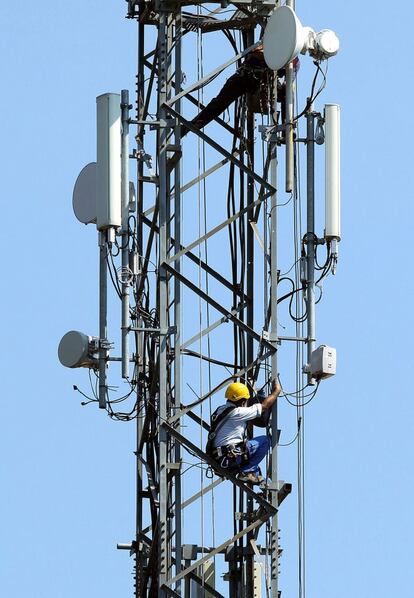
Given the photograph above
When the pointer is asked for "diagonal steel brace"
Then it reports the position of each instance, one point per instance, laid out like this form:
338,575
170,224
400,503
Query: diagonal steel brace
215,230
260,521
224,152
198,261
259,338
187,408
269,508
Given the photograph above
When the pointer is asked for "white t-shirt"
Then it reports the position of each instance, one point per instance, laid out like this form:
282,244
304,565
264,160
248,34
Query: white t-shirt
234,426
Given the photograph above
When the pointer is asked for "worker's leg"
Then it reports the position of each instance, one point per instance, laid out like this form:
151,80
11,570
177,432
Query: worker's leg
258,448
237,85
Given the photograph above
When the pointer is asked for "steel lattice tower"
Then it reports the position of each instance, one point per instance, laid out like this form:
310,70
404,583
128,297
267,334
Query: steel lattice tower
178,290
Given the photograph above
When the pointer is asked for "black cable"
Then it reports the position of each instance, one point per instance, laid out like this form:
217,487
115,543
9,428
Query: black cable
312,395
209,359
317,265
320,294
326,270
296,435
313,97
93,388
296,392
293,292
115,281
89,399
118,249
297,319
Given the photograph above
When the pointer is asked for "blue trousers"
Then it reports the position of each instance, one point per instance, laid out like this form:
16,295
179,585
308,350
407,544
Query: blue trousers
258,448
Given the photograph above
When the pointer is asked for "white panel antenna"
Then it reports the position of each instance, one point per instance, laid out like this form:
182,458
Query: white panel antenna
108,207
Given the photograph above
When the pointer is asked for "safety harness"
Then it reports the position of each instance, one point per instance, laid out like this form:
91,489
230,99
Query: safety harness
230,456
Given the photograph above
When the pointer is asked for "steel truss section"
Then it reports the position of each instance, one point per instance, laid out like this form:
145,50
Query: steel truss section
161,569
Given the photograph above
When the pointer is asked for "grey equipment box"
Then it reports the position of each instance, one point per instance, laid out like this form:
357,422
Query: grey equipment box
323,362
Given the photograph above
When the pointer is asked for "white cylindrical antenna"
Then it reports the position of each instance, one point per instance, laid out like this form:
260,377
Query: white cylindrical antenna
108,173
125,227
332,172
289,160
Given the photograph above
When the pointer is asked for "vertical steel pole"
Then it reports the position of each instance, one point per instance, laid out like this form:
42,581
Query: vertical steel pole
250,232
177,302
274,537
249,560
103,318
274,526
139,565
125,231
163,198
310,235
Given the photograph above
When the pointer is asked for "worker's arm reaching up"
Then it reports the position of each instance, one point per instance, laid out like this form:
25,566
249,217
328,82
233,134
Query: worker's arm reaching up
276,390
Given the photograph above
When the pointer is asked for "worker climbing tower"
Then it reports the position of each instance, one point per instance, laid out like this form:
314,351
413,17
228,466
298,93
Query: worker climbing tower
206,239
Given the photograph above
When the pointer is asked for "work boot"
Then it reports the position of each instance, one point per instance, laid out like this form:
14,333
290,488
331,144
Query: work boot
249,478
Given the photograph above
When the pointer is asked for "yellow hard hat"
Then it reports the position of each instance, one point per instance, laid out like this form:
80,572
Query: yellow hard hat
237,391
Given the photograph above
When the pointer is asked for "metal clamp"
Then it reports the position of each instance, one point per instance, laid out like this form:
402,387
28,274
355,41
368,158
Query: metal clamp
105,344
272,337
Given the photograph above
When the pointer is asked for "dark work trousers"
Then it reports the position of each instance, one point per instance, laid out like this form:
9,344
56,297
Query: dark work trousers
257,449
243,81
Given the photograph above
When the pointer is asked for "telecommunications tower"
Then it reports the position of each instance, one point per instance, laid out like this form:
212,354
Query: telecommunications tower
217,257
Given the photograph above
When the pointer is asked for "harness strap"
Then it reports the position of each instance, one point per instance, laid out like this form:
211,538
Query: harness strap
218,421
231,456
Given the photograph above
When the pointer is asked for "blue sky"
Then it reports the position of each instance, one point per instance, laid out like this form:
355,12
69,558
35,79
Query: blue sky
68,486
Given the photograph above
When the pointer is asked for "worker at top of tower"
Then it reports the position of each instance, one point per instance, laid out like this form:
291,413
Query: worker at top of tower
253,76
228,443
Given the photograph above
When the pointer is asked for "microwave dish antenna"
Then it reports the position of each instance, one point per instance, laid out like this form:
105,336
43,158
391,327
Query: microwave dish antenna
84,194
285,38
